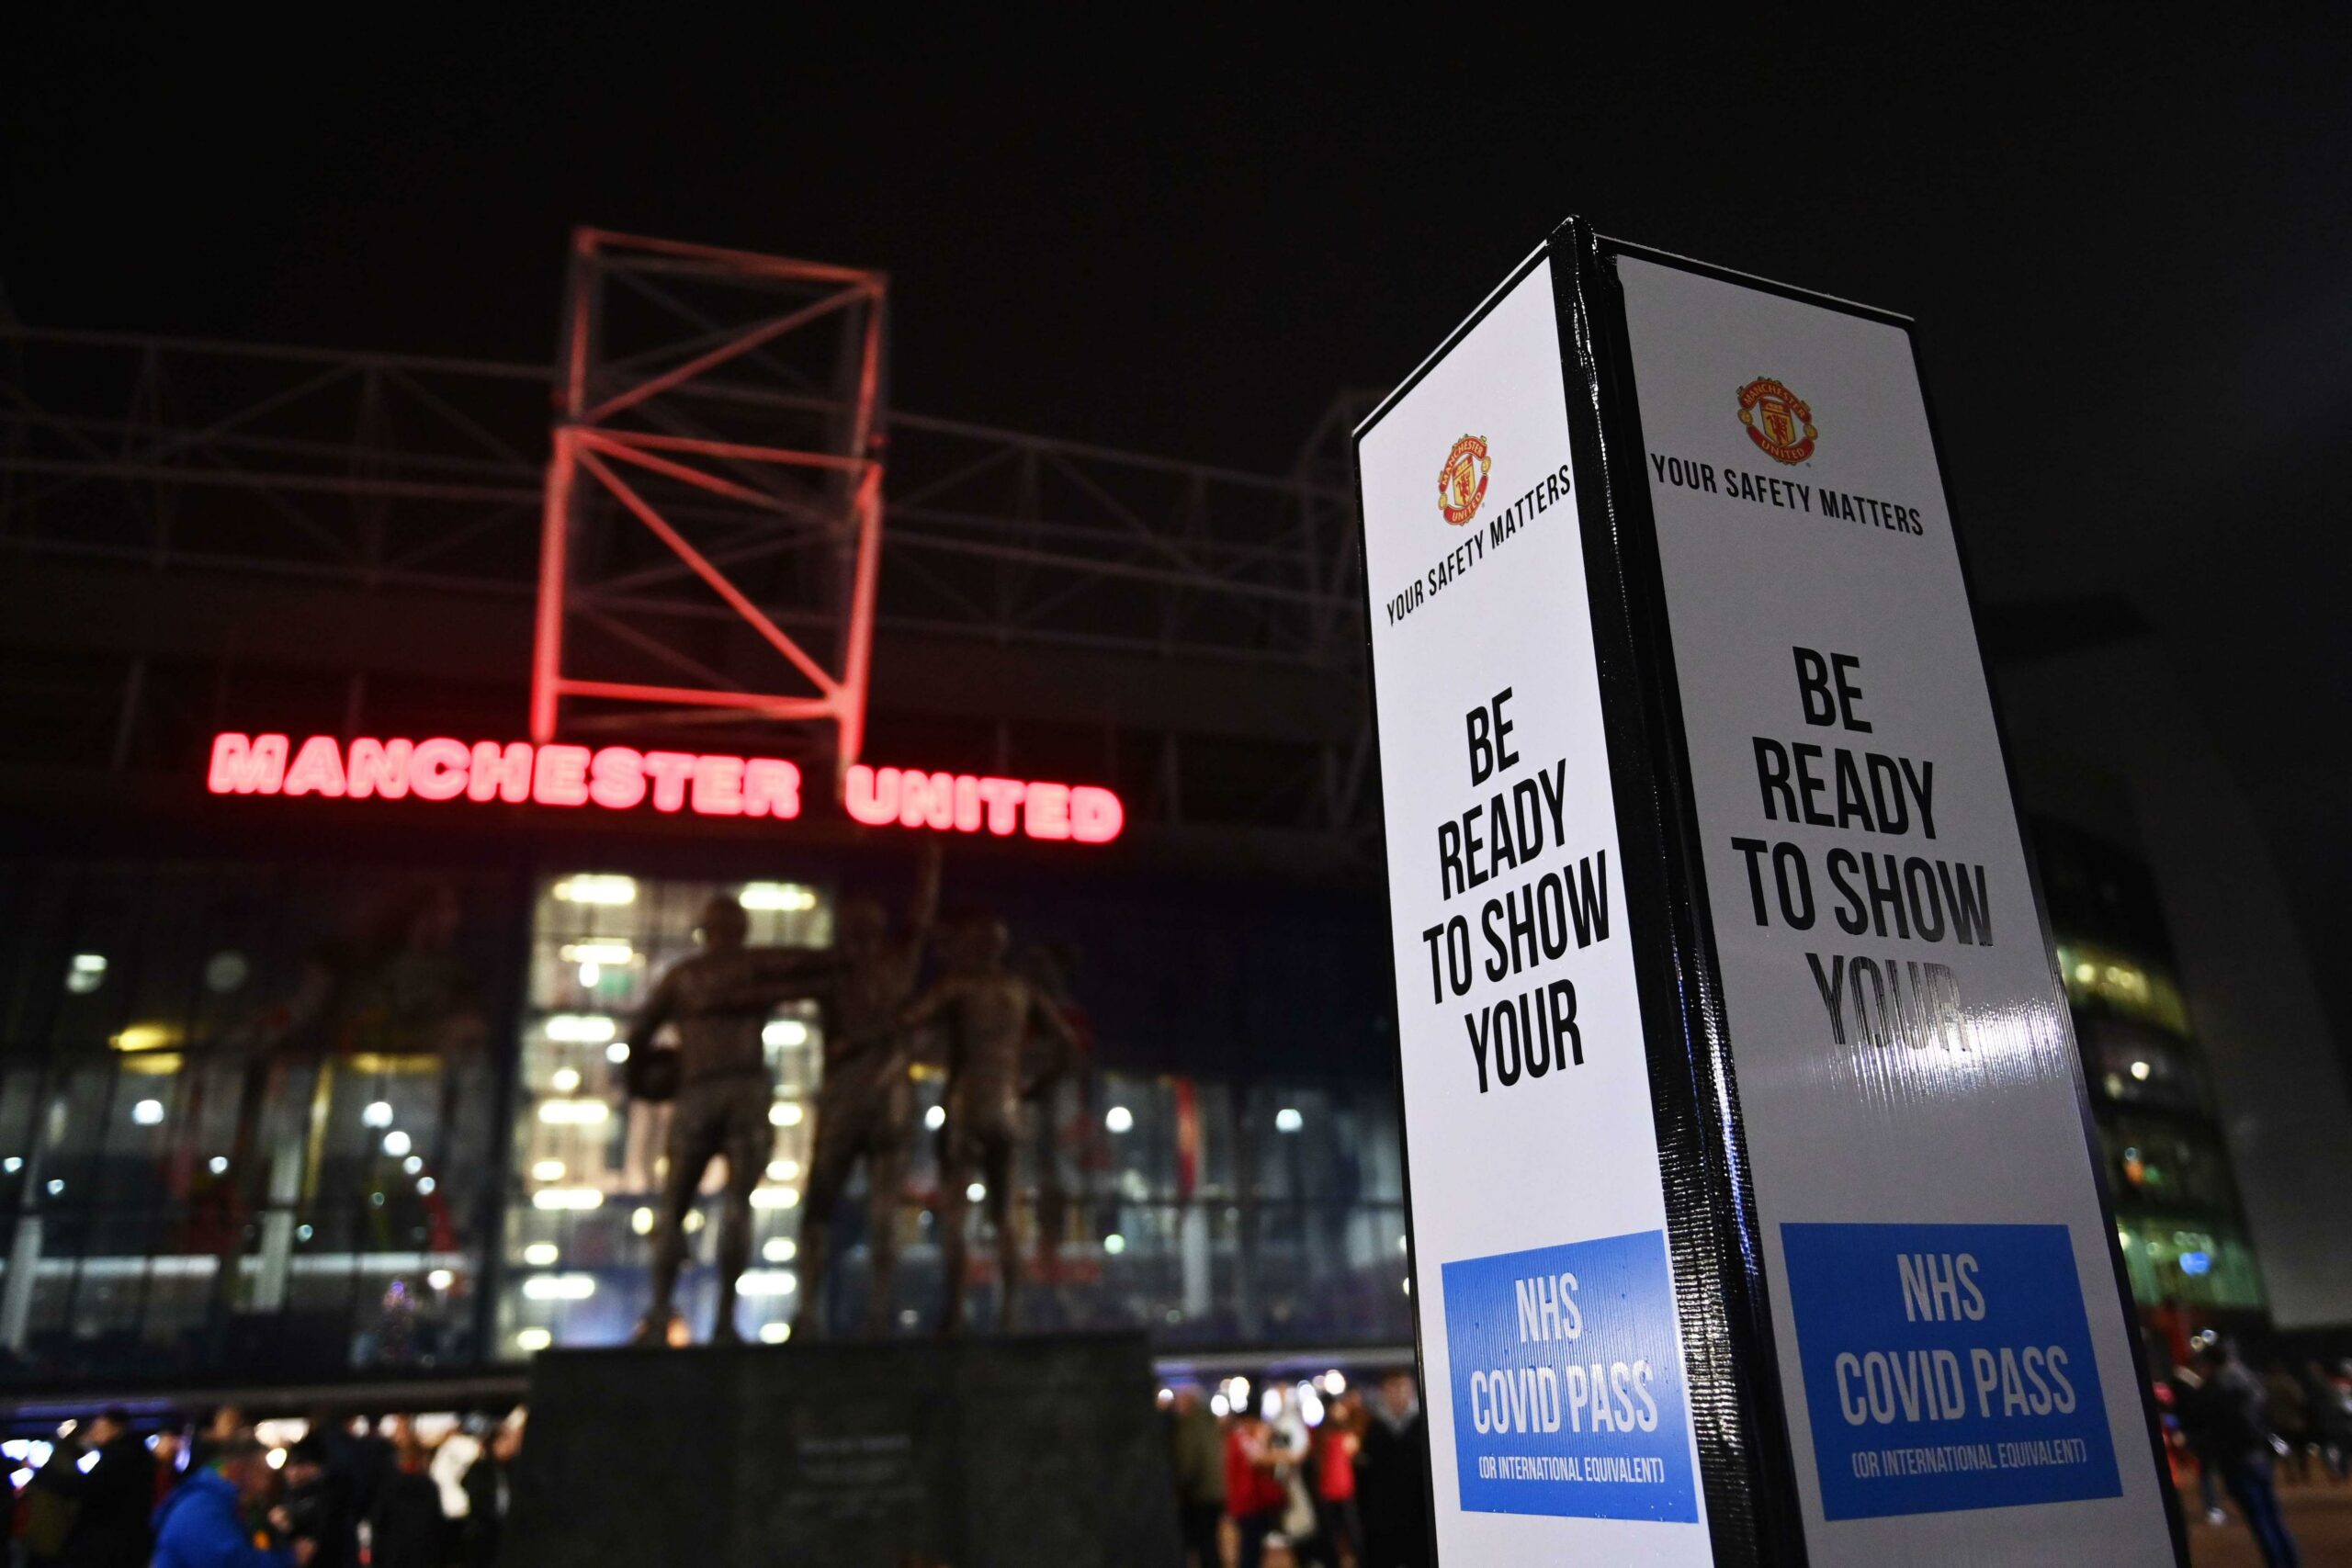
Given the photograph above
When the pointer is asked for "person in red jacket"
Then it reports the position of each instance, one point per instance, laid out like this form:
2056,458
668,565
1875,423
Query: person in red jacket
1254,1494
1335,1477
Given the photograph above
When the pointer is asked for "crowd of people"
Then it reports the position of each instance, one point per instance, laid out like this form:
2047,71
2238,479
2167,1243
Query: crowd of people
1349,1490
335,1495
2242,1427
1336,1481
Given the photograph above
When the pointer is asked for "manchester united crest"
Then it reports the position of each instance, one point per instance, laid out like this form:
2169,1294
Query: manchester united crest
1462,483
1777,420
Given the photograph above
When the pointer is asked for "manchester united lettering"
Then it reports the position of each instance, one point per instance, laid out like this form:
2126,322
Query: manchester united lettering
622,778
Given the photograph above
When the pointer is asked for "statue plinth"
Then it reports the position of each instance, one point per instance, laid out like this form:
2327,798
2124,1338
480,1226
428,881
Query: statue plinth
986,1453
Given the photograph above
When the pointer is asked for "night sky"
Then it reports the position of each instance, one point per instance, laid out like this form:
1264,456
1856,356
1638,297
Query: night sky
2129,245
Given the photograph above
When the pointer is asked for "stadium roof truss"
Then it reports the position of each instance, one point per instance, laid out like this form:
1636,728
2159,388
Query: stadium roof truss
702,523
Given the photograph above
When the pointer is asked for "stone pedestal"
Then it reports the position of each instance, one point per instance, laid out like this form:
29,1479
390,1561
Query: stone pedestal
983,1453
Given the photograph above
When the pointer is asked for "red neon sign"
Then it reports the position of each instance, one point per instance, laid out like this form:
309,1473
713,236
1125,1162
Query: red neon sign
622,778
965,803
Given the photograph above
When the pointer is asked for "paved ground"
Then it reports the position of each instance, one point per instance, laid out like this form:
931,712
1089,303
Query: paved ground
2321,1518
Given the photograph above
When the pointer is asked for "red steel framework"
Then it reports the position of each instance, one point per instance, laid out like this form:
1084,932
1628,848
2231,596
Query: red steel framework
729,406
214,488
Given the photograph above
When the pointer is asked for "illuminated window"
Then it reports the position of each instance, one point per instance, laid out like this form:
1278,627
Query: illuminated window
593,1160
2095,973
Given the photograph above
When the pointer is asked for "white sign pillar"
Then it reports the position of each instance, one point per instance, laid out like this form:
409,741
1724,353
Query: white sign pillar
1754,1215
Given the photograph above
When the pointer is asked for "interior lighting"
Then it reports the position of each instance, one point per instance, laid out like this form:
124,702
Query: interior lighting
440,1279
783,896
413,1164
532,1340
2140,1070
1114,1244
541,1254
783,1032
1119,1119
424,1186
580,1029
138,1037
378,1114
218,1164
1219,1406
774,1197
573,1112
767,1283
16,1163
977,1190
616,1052
1333,1384
85,972
783,1170
56,1186
547,1171
779,1249
567,1198
559,1287
597,890
786,1113
566,1080
396,1143
1288,1119
642,1222
935,1118
774,1332
148,1112
597,949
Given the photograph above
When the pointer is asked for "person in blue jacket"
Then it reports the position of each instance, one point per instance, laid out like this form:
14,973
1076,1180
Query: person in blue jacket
202,1525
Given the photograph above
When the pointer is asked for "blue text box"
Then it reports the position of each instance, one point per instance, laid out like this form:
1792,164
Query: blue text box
1568,1394
1946,1367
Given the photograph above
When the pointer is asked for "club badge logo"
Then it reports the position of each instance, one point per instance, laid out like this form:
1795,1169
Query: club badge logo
1462,483
1777,420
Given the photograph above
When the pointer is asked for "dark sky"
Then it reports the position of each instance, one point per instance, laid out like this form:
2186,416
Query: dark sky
2128,241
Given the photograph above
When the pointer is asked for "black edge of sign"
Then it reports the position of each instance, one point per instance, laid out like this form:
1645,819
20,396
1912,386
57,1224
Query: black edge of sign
1706,977
1746,1468
1387,905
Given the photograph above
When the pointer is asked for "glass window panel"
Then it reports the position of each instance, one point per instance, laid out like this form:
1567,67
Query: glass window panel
588,1160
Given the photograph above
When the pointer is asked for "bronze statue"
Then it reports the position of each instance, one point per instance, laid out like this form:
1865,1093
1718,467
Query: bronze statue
992,1014
864,1107
719,1000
